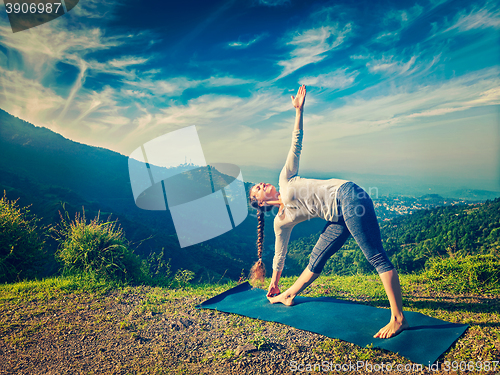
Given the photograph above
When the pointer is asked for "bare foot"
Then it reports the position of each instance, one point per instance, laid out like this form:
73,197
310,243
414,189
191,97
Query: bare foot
285,299
392,329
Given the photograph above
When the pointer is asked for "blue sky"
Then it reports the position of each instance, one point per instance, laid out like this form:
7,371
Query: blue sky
394,87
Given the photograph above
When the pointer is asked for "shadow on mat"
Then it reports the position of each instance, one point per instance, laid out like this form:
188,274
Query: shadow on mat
300,300
482,305
440,326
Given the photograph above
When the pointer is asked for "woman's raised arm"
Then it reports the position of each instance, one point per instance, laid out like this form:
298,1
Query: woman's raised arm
298,102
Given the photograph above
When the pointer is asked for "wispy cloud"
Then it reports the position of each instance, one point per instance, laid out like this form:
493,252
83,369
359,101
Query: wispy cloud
403,17
219,118
76,86
389,64
27,98
484,18
47,45
175,86
475,18
272,3
310,46
126,61
246,42
93,9
224,81
402,107
338,79
397,20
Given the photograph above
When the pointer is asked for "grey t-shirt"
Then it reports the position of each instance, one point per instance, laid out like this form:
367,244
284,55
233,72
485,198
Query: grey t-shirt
303,198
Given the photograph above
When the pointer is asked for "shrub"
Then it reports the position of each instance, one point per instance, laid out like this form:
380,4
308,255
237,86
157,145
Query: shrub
182,278
156,269
97,249
476,274
21,247
157,272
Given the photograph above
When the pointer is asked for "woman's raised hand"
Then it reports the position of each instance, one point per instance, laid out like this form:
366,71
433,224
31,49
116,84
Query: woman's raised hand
299,100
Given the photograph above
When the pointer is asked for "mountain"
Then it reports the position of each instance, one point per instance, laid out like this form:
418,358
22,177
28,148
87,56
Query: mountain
473,194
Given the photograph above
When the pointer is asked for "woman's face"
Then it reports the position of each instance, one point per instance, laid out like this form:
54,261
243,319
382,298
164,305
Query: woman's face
264,192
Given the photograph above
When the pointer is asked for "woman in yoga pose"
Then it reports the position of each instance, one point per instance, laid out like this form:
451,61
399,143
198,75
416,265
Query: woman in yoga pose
345,206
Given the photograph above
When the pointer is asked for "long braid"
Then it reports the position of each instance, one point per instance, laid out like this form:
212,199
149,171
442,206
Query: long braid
258,271
260,233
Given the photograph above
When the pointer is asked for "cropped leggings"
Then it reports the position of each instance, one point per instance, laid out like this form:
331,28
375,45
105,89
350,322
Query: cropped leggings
359,220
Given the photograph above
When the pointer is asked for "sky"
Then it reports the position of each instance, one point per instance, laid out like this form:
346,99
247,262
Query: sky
406,88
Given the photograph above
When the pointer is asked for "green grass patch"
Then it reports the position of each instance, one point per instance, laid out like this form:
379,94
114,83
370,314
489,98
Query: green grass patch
470,274
53,287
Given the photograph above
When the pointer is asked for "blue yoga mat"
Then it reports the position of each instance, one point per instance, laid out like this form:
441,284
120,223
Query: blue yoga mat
423,343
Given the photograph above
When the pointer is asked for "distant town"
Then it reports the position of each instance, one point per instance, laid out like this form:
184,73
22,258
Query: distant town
389,207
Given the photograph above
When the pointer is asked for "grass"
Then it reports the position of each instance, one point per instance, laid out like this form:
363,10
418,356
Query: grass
22,251
477,274
57,309
96,248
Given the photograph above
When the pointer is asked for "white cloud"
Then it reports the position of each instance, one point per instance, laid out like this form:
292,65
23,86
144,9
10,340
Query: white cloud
273,3
484,18
127,61
359,57
137,93
95,9
228,125
175,86
337,79
242,44
404,107
397,20
56,43
310,46
389,65
403,17
487,17
224,81
27,98
387,37
76,86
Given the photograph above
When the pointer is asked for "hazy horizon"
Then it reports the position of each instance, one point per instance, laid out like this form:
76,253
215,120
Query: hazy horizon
398,88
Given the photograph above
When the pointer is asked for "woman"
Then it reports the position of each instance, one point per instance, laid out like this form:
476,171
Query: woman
345,206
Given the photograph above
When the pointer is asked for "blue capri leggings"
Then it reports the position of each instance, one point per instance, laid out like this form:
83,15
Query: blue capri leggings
359,220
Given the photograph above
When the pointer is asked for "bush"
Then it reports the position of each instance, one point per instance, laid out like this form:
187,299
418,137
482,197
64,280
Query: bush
156,269
97,249
157,272
21,247
476,274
